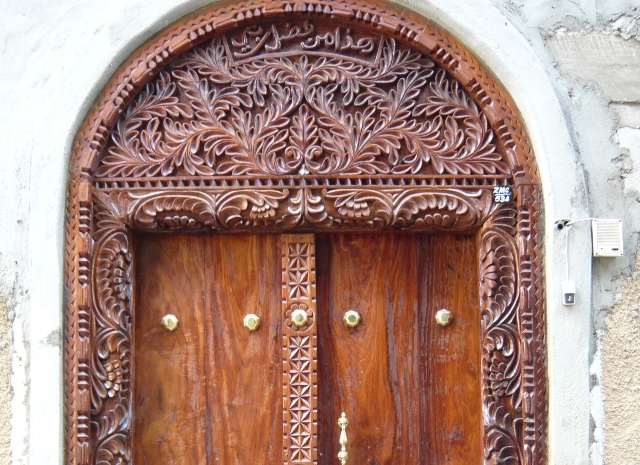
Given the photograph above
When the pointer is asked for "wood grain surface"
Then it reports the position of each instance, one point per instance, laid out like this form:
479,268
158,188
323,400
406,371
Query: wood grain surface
210,391
370,371
410,388
450,360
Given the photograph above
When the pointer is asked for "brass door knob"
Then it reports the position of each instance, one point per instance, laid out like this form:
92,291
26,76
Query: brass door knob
170,322
444,317
299,317
251,321
351,318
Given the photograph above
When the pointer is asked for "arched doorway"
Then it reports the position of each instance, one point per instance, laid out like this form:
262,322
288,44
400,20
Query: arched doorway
288,118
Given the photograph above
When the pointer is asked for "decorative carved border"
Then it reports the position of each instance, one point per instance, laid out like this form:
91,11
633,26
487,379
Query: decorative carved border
395,21
103,212
300,346
290,209
78,252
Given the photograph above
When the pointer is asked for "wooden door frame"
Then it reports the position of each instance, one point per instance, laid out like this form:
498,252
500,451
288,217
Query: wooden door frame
106,205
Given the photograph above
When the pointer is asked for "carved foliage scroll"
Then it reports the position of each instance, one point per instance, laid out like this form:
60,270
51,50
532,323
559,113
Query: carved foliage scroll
501,346
111,340
287,209
302,113
513,334
300,385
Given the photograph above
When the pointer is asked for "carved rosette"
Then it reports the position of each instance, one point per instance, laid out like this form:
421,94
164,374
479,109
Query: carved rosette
261,116
300,415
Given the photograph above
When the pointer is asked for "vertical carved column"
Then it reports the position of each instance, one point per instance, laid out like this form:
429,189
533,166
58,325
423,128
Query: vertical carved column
532,326
502,375
300,415
78,250
111,331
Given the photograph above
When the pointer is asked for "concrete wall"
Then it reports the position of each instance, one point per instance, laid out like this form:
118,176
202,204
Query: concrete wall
5,381
572,68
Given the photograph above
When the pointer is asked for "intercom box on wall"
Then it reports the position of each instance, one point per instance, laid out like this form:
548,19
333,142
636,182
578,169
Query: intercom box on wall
606,238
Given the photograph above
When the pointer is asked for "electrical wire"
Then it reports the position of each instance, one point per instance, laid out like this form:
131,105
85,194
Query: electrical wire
567,227
580,221
566,249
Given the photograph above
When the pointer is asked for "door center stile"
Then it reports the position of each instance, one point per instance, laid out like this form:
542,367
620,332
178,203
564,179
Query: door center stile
299,350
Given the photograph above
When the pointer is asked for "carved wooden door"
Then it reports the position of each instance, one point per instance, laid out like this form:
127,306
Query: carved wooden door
213,391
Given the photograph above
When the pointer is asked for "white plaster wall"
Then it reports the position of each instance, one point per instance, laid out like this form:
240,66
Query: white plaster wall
57,55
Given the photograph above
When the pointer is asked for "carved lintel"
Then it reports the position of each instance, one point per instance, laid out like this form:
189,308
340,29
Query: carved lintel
285,209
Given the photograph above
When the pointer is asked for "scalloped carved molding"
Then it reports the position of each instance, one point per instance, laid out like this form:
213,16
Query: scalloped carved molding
280,209
269,116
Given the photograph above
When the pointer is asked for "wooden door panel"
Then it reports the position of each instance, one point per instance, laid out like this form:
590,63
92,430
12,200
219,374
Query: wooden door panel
409,387
370,372
245,391
170,423
210,391
450,361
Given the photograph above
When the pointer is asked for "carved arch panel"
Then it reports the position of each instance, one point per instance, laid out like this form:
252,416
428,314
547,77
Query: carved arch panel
300,117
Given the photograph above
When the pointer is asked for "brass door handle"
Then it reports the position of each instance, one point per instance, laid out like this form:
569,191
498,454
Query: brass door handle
343,455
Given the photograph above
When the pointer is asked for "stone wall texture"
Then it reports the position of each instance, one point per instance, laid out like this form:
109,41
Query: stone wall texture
621,375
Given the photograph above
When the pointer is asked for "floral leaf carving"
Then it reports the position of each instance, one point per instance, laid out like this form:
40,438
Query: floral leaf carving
501,440
239,209
113,450
141,152
159,212
303,141
456,137
111,344
408,208
211,62
501,352
302,114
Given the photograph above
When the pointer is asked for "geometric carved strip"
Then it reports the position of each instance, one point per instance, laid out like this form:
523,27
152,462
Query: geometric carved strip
300,399
77,336
532,318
